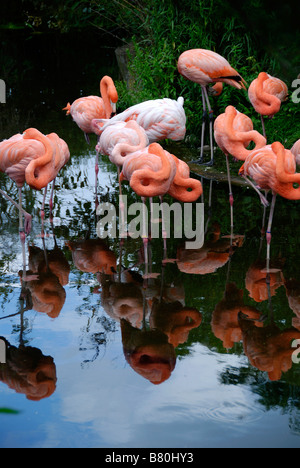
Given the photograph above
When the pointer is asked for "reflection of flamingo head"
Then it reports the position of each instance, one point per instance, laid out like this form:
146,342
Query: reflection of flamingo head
148,353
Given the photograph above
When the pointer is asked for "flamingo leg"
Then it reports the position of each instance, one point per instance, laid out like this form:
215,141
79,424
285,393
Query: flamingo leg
122,205
204,116
206,104
43,210
231,199
52,198
28,217
96,173
263,200
268,234
211,120
145,236
209,207
263,230
164,232
22,233
263,126
151,217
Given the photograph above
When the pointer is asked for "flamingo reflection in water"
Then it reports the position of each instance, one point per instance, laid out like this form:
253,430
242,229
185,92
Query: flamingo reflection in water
27,371
214,254
292,287
148,352
269,348
225,323
92,256
153,317
259,279
122,297
45,280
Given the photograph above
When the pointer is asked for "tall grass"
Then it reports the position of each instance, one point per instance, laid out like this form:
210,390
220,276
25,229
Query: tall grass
171,27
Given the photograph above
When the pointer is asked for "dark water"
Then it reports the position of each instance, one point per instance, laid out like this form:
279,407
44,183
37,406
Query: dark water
124,361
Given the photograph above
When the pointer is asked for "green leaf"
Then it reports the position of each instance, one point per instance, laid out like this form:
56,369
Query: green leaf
8,411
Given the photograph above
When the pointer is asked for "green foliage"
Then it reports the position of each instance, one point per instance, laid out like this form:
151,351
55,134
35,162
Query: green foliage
8,411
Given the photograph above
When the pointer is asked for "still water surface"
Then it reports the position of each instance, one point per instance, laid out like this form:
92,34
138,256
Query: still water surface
157,363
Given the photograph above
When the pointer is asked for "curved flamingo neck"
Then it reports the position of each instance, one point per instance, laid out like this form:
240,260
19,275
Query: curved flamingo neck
155,179
37,175
109,95
241,138
269,104
287,180
185,189
121,150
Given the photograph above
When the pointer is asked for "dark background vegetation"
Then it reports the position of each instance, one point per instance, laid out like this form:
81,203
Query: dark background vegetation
52,51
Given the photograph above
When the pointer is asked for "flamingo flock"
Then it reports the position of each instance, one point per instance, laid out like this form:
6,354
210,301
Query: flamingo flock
133,140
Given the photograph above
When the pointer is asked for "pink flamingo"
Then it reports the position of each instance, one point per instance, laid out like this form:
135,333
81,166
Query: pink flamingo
119,139
266,93
273,168
62,156
296,151
35,159
206,67
233,132
153,171
85,109
150,172
160,118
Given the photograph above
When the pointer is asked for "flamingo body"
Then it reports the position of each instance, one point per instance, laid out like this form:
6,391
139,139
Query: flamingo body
150,171
160,118
273,168
205,67
266,93
296,151
33,158
85,109
122,133
233,132
15,155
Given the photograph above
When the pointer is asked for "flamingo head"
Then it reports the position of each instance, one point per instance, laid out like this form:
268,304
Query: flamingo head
216,90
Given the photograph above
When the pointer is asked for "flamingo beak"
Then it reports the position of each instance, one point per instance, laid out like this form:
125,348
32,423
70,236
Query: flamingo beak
114,108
